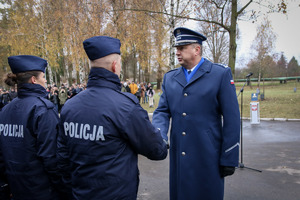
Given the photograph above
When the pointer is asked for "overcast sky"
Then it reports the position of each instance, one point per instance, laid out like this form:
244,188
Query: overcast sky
286,28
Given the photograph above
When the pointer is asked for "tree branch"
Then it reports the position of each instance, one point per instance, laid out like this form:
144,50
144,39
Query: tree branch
222,13
184,7
178,16
217,6
163,5
243,8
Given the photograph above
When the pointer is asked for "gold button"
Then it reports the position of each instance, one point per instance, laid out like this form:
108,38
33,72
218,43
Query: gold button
183,153
184,114
183,133
185,94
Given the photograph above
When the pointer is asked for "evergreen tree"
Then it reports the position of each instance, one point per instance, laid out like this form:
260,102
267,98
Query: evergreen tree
293,68
281,66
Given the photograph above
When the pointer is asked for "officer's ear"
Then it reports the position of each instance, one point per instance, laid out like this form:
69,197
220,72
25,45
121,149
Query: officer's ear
113,66
198,50
33,80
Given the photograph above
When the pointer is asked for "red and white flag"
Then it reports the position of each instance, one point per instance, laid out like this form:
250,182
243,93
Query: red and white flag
231,82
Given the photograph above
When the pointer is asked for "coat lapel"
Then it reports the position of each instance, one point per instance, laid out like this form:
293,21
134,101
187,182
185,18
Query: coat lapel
204,68
180,77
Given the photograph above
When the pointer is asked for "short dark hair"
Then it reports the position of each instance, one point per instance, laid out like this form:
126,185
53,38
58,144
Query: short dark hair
197,44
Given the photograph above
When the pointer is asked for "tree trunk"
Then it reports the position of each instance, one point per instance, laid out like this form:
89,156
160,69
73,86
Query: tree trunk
259,77
134,64
139,74
159,77
232,36
172,50
50,75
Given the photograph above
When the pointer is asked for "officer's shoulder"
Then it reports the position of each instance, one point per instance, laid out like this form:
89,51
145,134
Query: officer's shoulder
172,71
130,96
46,102
222,66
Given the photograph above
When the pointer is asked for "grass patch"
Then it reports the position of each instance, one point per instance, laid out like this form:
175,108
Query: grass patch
280,100
156,100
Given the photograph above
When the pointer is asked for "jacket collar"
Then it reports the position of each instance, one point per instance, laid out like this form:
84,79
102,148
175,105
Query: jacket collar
29,89
101,77
180,77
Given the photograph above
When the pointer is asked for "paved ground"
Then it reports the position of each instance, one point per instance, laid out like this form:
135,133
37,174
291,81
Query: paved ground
271,146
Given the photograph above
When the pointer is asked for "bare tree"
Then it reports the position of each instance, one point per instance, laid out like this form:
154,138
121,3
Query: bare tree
236,11
218,40
264,45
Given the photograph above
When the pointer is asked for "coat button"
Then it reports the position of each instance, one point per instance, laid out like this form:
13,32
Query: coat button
183,153
185,94
183,133
184,114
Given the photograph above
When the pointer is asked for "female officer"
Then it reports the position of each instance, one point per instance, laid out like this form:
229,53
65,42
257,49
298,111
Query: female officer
28,131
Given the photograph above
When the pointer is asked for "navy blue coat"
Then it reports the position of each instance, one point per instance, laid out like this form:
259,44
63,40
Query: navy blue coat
28,132
199,143
101,132
4,189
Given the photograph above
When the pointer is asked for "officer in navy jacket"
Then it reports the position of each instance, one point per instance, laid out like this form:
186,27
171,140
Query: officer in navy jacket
100,139
28,132
4,189
204,138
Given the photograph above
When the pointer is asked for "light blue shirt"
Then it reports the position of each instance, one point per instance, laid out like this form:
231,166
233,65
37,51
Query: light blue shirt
193,70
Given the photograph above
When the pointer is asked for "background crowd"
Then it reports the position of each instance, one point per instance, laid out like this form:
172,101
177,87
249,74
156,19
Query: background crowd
143,91
59,95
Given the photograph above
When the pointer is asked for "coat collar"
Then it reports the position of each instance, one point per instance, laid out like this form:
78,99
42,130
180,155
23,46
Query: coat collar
180,77
29,89
101,77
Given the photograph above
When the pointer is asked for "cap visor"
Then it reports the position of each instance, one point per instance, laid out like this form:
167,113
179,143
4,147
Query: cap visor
184,43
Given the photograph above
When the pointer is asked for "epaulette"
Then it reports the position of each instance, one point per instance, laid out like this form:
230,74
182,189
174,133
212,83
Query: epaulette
47,103
221,65
130,96
172,70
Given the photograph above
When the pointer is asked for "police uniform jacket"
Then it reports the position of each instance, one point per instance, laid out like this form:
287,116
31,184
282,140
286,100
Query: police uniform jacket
100,139
199,143
28,132
4,189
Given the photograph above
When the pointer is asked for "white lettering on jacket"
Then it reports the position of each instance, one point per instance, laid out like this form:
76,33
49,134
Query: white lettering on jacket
11,130
84,131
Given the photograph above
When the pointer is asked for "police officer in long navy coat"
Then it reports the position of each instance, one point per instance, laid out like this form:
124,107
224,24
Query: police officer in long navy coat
102,130
28,132
200,98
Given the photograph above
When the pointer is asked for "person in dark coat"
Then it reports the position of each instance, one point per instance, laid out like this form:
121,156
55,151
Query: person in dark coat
99,140
54,97
126,84
28,132
205,130
5,98
13,94
4,188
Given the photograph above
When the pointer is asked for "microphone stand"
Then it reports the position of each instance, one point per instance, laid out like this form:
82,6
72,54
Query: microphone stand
241,164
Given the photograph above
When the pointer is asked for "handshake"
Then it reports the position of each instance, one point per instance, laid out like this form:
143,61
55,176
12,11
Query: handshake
167,143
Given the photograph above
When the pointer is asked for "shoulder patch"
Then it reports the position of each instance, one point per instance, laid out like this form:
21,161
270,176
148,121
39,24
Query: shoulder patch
47,103
130,96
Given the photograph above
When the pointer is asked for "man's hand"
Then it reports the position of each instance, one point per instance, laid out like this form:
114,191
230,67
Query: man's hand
168,146
4,192
226,171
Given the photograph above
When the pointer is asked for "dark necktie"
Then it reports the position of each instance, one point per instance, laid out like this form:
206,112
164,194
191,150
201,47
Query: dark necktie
189,71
